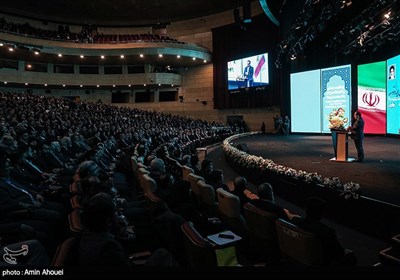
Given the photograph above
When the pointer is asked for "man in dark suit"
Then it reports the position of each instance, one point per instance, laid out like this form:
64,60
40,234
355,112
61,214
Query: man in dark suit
248,74
357,133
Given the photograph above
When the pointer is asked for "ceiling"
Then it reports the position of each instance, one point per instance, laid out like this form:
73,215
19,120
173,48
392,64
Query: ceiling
117,12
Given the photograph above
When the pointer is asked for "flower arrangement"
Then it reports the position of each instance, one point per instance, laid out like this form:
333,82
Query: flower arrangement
332,182
351,190
243,159
337,119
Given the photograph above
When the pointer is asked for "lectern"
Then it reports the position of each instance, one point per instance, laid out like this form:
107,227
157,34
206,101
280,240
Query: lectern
340,146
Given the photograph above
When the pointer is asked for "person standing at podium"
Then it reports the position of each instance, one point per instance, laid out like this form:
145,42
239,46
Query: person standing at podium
357,134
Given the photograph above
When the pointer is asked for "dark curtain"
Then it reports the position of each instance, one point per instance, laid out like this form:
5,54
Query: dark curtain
237,41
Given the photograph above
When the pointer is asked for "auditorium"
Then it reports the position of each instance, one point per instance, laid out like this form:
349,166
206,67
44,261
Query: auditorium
193,137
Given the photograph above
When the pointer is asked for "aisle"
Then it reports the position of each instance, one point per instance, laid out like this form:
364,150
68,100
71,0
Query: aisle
365,247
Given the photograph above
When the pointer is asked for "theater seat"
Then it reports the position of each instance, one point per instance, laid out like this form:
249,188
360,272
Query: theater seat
149,184
298,246
152,202
194,187
207,201
229,210
186,170
199,250
75,223
67,253
262,233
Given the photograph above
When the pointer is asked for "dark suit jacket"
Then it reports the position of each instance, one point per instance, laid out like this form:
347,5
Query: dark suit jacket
358,129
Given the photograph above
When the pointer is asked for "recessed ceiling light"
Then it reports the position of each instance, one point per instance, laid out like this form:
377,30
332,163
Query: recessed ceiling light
59,55
141,55
82,56
160,55
102,57
122,56
178,56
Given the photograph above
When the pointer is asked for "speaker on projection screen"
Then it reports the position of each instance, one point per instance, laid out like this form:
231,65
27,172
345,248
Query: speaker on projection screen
243,147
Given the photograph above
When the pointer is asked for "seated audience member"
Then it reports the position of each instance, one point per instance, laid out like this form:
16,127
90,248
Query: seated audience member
194,163
163,179
239,187
216,179
186,160
206,168
334,254
98,247
266,202
21,197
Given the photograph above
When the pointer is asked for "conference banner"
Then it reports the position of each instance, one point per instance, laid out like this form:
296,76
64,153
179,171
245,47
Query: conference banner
336,96
372,96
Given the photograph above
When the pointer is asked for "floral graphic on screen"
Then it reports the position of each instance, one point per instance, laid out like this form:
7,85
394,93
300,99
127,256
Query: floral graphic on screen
337,119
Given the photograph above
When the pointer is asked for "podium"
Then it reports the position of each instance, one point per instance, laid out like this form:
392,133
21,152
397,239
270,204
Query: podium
340,146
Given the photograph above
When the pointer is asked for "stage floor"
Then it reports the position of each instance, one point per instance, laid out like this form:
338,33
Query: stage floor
378,175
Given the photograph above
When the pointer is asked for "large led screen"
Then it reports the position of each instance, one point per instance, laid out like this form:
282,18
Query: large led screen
248,72
372,96
336,96
393,96
305,96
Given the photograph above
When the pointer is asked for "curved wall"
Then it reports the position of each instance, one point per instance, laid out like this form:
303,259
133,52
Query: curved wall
196,87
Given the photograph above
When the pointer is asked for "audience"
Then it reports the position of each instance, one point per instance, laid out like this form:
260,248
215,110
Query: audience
98,247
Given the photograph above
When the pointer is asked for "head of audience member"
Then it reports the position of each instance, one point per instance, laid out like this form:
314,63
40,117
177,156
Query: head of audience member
157,165
100,213
315,208
55,147
149,159
91,185
88,168
186,160
10,142
265,191
240,184
216,176
207,165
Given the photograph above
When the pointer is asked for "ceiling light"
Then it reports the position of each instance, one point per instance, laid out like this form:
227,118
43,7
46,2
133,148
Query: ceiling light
102,57
59,55
178,56
82,56
122,56
160,55
141,55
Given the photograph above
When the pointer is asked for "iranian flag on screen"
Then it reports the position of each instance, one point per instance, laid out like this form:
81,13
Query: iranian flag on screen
260,64
372,105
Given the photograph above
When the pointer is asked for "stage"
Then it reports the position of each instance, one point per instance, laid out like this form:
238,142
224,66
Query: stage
378,175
